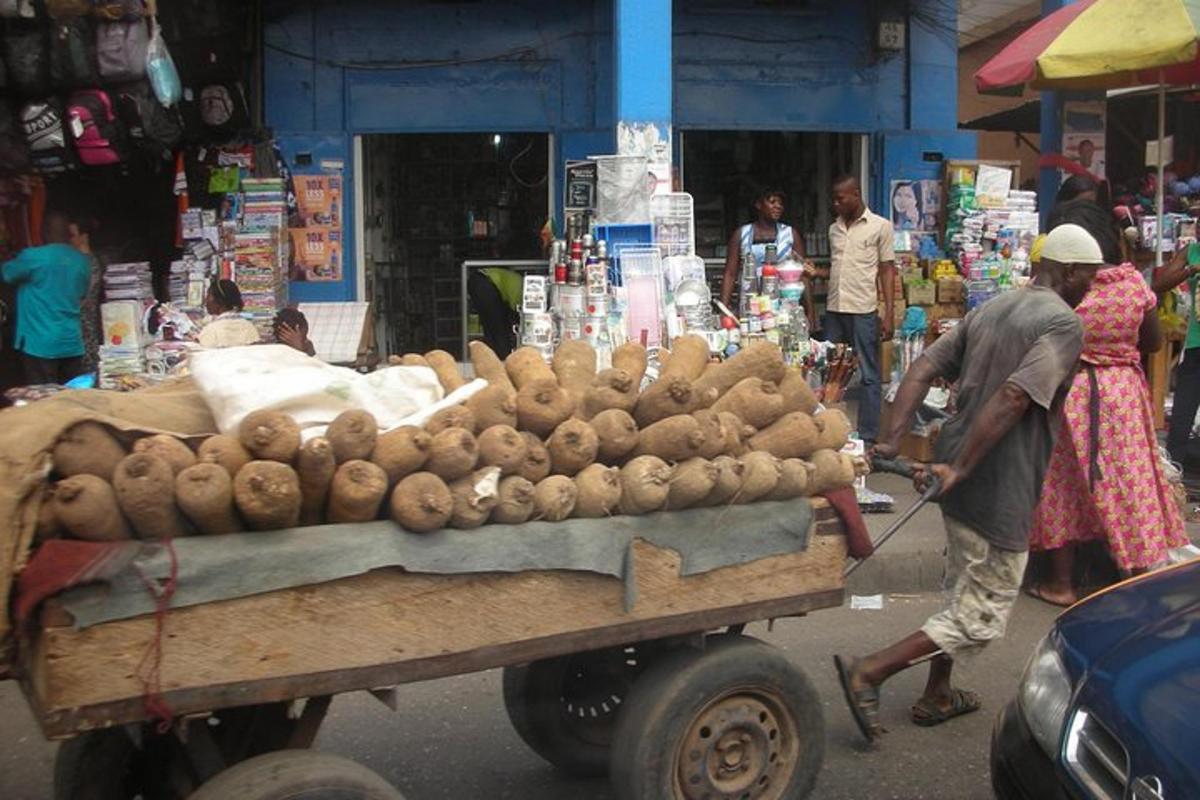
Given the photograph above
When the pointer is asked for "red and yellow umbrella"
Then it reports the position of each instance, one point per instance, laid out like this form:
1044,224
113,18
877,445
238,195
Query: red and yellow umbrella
1102,44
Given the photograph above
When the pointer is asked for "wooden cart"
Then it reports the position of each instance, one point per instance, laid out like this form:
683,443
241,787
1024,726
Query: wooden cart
668,698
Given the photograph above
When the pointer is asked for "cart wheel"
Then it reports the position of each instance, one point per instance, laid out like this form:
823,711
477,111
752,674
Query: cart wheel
99,765
734,721
565,708
297,775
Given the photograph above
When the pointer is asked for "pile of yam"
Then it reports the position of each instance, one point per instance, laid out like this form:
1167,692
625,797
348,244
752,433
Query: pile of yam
543,441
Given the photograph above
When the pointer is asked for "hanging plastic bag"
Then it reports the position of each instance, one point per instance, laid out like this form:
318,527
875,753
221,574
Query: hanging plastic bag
160,70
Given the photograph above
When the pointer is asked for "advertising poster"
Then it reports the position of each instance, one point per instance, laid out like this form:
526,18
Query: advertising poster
916,205
317,240
1083,134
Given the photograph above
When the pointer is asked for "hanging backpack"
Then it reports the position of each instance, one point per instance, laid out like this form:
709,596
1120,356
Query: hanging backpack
121,50
68,9
14,152
151,128
17,9
49,144
99,137
73,54
27,60
223,108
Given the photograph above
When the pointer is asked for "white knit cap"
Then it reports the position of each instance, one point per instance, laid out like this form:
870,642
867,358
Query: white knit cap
1071,244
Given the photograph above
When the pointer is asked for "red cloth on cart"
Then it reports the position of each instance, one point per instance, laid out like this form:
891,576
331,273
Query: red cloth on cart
858,538
60,564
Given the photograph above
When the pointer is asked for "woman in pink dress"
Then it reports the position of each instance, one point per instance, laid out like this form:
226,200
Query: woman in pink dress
1105,480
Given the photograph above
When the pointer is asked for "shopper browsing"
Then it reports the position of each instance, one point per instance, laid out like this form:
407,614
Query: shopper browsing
51,282
862,265
1013,359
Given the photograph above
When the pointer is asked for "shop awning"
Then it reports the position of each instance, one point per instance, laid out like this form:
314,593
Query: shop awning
1025,118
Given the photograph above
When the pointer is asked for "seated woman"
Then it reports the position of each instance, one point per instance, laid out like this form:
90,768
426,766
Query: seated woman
291,328
227,328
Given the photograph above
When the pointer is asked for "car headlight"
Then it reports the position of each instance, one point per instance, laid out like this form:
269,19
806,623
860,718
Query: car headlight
1044,696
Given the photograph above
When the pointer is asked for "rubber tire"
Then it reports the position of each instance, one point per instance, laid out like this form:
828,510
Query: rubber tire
532,700
94,766
297,775
668,696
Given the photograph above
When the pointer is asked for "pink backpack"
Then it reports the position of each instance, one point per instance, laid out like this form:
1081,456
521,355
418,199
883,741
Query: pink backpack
99,138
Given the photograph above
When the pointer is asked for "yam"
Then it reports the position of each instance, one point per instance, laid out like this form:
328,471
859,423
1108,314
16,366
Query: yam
755,401
204,493
401,451
645,485
599,491
537,459
760,475
453,417
270,436
714,433
514,502
86,507
674,439
487,365
691,482
224,451
475,496
422,502
617,434
409,360
574,365
87,448
689,357
357,492
315,467
631,357
728,483
501,446
794,477
831,470
797,394
833,429
756,360
169,449
49,526
267,493
542,406
525,365
573,446
145,488
611,388
453,454
493,405
554,498
662,399
737,433
446,367
353,434
793,435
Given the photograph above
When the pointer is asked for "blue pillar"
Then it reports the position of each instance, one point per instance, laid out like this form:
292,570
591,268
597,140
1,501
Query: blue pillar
642,67
1051,132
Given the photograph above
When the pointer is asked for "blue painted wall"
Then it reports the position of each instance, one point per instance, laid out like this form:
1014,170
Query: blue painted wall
351,67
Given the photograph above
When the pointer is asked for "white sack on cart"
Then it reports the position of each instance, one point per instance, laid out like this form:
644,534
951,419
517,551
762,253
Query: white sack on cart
238,380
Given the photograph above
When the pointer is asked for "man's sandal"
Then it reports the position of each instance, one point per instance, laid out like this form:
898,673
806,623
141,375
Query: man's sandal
926,713
863,703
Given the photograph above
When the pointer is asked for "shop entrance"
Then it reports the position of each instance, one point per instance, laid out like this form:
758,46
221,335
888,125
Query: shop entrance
433,201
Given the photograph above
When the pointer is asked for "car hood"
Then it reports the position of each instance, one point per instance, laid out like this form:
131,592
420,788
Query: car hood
1134,654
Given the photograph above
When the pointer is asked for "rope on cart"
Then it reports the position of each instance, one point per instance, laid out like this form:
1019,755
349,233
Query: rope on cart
149,669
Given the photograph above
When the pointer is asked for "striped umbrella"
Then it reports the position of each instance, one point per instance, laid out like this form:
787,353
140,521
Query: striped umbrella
1103,44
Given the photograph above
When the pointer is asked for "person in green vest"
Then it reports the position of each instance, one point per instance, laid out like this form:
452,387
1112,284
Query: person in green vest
1184,267
496,294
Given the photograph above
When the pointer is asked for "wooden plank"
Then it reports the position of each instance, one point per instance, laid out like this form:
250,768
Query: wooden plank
389,627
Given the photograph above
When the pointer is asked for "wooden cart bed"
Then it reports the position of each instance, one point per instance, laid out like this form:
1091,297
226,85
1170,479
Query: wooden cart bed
389,627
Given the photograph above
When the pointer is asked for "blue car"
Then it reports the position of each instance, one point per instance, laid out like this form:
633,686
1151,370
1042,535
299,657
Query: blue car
1109,705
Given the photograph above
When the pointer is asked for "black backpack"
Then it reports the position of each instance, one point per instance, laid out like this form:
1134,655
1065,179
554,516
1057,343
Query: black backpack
44,127
153,128
27,60
73,54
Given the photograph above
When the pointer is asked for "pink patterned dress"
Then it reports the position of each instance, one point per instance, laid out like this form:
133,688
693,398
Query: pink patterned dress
1110,486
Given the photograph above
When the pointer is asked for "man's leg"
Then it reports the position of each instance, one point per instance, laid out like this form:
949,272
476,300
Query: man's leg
39,370
1187,402
837,328
866,345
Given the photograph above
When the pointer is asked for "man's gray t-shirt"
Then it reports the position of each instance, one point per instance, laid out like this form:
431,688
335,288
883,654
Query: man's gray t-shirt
1031,338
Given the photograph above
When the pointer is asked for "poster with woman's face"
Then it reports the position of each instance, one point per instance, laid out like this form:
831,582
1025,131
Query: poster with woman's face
906,205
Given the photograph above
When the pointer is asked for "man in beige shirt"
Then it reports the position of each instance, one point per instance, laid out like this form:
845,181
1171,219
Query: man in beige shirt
862,265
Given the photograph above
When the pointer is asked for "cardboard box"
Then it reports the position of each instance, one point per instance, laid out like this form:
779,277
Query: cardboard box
918,447
920,293
950,290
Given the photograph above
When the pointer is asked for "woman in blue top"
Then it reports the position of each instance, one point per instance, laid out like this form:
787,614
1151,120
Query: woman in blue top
755,236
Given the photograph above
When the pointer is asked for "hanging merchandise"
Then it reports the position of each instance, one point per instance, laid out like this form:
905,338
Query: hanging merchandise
152,127
73,54
160,70
26,60
49,145
99,136
14,150
68,9
121,50
17,9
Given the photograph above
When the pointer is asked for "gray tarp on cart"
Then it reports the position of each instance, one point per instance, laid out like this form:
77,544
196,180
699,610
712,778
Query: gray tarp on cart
212,568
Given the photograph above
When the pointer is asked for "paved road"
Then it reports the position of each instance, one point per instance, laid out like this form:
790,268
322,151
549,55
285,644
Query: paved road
451,739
